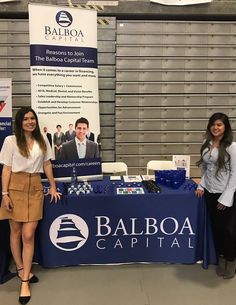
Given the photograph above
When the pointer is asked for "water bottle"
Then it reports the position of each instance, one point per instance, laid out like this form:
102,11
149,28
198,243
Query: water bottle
73,180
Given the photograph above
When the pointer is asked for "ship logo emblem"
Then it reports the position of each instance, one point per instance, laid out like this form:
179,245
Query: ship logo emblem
64,19
68,232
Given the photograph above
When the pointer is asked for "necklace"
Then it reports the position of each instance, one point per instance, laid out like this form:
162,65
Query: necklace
30,142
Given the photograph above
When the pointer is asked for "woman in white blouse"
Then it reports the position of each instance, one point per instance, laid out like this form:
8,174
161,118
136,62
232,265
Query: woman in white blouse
24,156
218,185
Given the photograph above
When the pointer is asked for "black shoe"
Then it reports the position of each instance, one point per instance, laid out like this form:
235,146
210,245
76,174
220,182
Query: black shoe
221,267
230,270
32,279
24,299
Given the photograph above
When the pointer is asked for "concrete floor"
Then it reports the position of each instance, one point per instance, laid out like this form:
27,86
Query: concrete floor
138,284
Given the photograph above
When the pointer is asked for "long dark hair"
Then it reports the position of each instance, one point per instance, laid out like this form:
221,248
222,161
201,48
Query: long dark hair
20,135
226,141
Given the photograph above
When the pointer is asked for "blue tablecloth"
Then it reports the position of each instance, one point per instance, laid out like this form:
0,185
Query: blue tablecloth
171,226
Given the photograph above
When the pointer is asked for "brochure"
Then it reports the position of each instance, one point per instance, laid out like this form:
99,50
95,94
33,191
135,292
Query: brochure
132,178
182,162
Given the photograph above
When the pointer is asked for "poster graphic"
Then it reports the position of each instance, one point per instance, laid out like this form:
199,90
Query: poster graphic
64,75
182,162
5,108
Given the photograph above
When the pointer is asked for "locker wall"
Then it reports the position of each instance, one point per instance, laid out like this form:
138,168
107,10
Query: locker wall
170,77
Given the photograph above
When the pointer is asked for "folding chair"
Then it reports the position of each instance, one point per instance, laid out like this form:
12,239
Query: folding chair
114,167
159,164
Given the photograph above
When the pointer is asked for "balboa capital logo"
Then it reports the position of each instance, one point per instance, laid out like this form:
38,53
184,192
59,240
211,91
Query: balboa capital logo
64,19
68,232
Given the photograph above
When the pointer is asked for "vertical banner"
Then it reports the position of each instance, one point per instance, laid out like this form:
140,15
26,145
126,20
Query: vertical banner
5,130
64,74
5,108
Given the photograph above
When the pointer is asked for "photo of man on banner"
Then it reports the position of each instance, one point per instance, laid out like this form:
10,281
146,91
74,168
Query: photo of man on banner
80,147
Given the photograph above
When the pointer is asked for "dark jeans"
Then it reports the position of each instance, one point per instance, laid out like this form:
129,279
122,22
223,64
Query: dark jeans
223,226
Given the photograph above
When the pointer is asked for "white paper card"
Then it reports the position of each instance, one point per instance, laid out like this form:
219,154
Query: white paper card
182,162
148,177
115,177
132,178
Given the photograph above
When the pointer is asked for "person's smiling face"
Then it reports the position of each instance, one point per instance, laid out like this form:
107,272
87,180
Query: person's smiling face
218,129
81,131
29,122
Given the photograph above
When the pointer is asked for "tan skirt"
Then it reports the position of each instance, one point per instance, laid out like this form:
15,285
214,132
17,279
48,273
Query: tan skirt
26,193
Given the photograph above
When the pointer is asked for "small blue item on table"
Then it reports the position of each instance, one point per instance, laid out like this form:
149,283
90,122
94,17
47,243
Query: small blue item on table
170,178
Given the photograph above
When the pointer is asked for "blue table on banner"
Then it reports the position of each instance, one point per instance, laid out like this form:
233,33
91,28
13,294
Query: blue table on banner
106,228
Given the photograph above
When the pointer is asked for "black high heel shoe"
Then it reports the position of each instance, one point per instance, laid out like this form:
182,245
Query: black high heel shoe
32,279
24,299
